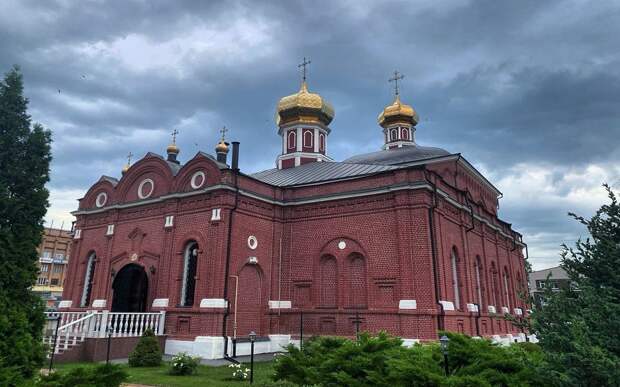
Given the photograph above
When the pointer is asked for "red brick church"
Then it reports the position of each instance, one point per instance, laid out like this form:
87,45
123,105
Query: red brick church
405,239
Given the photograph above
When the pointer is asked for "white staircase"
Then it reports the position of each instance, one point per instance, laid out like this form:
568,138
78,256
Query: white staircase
70,329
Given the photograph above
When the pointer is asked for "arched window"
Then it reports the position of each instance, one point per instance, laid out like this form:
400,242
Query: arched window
308,138
322,142
494,286
455,280
479,278
394,134
88,280
329,282
405,134
188,286
357,282
291,139
506,288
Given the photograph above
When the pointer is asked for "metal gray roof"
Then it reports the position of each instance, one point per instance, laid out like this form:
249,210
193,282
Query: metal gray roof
317,172
395,156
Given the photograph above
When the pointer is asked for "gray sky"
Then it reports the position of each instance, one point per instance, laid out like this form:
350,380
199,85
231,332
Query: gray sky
528,91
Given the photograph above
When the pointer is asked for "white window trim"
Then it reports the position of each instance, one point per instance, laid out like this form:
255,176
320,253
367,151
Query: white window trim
293,135
308,144
216,214
169,221
455,282
195,177
101,199
186,258
89,265
144,182
506,289
110,230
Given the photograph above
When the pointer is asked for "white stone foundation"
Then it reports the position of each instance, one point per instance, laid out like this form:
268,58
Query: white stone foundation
212,347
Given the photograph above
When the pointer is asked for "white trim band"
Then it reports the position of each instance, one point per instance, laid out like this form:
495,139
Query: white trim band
447,305
213,303
160,303
407,304
279,304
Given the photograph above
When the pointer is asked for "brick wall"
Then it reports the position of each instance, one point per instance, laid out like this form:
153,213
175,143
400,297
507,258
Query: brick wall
332,259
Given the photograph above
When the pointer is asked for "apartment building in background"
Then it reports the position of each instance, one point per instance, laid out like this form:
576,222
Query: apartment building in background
54,254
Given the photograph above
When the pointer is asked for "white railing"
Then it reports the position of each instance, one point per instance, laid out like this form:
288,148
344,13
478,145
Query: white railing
74,327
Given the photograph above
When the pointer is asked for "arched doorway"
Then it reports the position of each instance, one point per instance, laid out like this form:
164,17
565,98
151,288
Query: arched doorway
130,289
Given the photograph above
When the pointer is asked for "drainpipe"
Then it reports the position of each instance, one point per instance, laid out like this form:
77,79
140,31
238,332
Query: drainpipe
235,171
431,221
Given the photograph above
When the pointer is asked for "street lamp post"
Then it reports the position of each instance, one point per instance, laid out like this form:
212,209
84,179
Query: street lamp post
443,341
252,339
107,357
54,344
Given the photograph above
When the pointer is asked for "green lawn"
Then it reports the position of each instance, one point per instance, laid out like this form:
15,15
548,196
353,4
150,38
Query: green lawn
206,375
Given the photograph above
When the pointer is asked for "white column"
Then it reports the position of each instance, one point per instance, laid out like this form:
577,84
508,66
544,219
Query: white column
299,139
316,140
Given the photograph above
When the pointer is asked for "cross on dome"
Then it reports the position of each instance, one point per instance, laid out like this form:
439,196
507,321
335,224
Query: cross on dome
303,65
129,156
174,136
223,131
397,77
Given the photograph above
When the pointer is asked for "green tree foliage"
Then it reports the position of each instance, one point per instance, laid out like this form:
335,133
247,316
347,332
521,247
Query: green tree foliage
147,353
578,328
382,361
24,171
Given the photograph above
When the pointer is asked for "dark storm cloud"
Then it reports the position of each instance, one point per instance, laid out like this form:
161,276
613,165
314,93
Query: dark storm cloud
526,90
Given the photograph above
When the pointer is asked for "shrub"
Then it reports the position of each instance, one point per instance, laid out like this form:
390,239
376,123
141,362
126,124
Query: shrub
147,353
383,361
105,375
184,364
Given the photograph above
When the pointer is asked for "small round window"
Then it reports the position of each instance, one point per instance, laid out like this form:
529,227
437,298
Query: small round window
252,242
198,179
101,199
145,189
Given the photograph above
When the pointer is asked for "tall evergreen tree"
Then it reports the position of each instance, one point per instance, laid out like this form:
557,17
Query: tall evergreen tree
579,328
24,169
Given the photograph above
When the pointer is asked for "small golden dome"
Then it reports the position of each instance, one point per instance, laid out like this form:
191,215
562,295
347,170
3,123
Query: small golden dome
173,148
304,104
221,147
398,111
125,169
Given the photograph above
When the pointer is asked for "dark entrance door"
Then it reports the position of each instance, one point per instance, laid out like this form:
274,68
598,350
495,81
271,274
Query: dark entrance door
130,288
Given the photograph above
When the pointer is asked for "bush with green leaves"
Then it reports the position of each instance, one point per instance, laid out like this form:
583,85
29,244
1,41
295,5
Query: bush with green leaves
184,364
147,353
105,375
381,360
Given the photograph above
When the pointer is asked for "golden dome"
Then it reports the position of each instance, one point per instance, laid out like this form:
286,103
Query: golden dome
398,111
173,148
125,169
304,105
221,147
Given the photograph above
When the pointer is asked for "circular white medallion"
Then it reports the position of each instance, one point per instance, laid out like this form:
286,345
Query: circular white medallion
342,245
145,189
102,198
198,179
252,242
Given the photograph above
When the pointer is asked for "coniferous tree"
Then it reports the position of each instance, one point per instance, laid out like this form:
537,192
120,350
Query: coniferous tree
579,327
24,170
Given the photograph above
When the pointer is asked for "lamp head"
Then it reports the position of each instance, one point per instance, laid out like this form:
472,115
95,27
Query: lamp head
252,336
443,342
